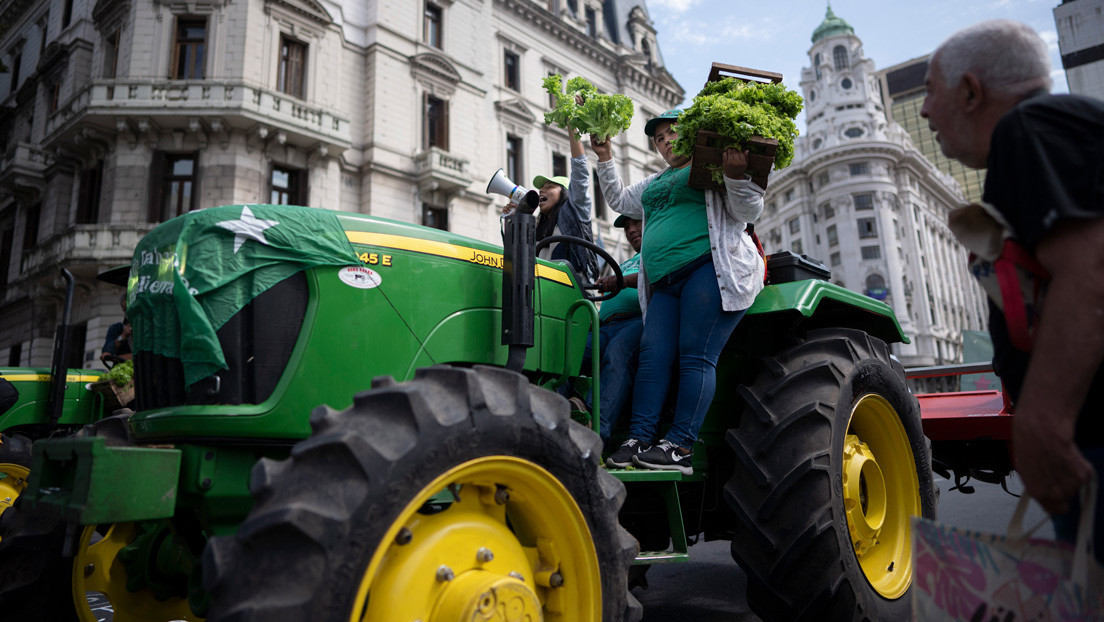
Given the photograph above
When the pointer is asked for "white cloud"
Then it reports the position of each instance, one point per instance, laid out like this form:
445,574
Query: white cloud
689,32
1051,38
677,6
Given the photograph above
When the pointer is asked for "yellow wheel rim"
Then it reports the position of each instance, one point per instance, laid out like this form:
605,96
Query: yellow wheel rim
13,480
97,569
880,494
509,544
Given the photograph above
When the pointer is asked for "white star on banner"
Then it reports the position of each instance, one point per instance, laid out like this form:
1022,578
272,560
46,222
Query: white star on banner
248,226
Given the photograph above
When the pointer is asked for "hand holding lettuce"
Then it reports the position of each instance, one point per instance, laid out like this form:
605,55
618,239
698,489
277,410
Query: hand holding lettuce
599,115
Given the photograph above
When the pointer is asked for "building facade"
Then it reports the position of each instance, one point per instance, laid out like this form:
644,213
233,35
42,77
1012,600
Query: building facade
116,115
863,199
1080,25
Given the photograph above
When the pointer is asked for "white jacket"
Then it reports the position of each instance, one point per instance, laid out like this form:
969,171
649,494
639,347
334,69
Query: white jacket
738,265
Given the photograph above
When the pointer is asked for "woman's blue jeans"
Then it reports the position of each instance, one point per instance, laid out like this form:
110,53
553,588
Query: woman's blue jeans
620,341
685,324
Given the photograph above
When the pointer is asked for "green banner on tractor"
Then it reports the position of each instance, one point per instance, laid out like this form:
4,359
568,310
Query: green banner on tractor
193,273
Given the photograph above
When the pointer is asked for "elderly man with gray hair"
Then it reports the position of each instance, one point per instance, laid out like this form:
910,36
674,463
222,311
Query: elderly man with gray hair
988,101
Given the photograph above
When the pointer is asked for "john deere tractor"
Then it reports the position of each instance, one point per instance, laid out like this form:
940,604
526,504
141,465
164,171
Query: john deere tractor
341,417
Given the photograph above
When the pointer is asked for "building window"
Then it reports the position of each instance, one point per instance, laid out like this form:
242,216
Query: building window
860,168
88,195
573,7
288,186
839,56
795,225
431,25
511,70
788,196
176,192
559,165
55,95
43,25
795,246
15,355
190,49
833,236
876,286
553,6
436,123
871,252
67,13
78,334
827,210
7,240
867,228
293,67
599,198
863,201
591,23
853,132
436,217
30,226
834,259
816,64
16,63
513,157
822,179
111,55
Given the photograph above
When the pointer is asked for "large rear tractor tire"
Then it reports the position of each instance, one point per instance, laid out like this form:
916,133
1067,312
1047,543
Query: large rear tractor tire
465,494
831,464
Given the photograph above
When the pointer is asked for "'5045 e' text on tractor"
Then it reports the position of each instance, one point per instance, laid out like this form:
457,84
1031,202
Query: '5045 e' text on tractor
341,417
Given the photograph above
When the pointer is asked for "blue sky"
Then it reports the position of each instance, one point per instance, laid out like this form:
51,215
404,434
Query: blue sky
775,34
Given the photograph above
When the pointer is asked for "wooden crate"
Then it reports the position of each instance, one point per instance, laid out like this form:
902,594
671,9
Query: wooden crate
115,397
706,152
706,149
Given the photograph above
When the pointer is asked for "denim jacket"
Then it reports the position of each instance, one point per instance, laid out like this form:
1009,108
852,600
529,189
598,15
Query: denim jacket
574,220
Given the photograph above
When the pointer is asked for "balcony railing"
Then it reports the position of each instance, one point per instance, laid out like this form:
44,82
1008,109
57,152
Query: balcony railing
438,169
152,98
23,165
95,243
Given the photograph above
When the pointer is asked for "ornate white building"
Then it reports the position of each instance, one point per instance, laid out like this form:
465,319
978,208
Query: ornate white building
862,199
118,114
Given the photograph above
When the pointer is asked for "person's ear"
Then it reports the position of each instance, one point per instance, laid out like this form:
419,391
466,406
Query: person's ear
971,92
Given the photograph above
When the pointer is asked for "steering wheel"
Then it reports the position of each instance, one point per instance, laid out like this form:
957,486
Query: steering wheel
601,252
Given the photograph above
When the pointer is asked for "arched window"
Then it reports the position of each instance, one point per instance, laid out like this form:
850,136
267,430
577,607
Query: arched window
876,287
816,64
646,49
839,56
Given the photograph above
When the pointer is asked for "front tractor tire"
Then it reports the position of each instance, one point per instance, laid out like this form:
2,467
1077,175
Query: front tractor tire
464,494
831,464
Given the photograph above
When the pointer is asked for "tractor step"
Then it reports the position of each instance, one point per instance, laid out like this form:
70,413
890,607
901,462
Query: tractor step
646,475
660,557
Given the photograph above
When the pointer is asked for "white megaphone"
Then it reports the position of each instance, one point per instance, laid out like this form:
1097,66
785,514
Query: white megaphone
501,184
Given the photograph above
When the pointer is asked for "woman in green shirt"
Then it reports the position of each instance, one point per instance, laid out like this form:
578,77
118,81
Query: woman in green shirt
700,271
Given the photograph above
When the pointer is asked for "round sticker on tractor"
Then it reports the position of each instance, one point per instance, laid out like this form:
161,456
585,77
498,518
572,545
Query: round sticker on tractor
360,277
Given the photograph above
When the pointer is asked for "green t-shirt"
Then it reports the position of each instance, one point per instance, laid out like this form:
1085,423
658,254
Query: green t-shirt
626,300
676,230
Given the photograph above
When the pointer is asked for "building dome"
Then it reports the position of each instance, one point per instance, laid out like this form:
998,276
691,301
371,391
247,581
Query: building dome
832,25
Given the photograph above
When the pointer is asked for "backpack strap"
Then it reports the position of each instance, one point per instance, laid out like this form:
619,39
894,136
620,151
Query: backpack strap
759,247
1020,329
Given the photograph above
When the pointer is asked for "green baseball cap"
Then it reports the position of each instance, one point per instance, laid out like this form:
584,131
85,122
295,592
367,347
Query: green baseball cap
671,115
623,221
540,180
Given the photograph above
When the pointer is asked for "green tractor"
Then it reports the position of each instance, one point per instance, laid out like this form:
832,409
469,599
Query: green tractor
37,403
441,478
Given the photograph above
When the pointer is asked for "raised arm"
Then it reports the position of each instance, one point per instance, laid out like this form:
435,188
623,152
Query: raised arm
620,199
579,190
